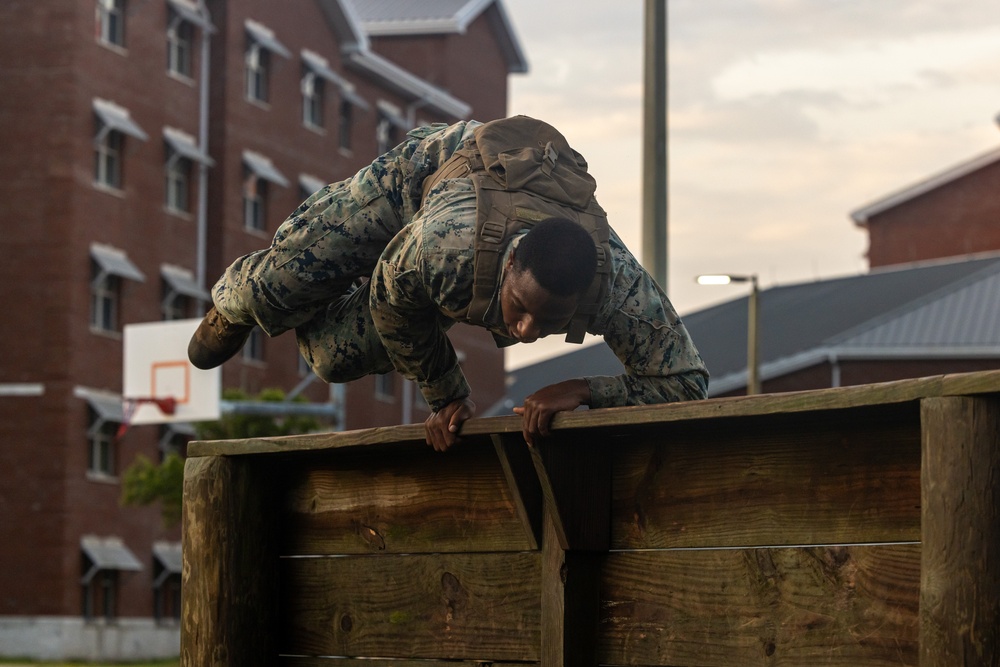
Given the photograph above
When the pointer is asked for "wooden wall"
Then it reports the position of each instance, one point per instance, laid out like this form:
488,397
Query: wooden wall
853,526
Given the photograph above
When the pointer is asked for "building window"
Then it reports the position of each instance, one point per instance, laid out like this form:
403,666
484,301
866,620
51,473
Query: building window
254,202
175,306
104,293
257,61
108,157
385,386
102,559
312,100
178,186
101,435
167,565
100,595
253,349
180,40
386,135
111,22
345,122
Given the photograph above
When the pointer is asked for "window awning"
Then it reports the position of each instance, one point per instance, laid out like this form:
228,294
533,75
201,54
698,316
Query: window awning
107,553
347,92
264,36
189,11
115,262
117,118
185,146
264,168
321,66
311,184
392,114
181,281
169,555
107,407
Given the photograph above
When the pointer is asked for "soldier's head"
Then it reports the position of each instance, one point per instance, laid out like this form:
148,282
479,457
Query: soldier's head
547,275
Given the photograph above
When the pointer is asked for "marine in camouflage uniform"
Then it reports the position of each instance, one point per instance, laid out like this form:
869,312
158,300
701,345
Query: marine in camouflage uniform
420,257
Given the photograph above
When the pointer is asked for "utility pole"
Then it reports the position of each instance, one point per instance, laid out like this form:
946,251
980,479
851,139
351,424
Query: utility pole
654,143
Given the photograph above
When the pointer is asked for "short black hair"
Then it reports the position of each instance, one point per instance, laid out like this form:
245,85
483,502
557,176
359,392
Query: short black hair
560,254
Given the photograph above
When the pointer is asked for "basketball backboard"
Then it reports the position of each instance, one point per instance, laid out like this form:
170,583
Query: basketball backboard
156,366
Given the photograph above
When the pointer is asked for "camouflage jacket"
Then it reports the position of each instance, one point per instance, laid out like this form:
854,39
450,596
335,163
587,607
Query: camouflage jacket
423,281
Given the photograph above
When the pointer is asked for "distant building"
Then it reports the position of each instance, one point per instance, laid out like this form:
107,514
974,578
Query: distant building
132,130
950,214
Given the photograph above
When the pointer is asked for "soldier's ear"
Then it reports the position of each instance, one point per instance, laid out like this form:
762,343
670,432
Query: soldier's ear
510,259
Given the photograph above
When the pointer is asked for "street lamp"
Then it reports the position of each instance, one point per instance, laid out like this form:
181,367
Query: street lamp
753,358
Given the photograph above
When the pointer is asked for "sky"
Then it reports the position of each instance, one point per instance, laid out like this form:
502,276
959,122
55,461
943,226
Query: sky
784,116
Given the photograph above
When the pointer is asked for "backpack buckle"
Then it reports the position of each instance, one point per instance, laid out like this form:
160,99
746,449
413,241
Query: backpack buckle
493,231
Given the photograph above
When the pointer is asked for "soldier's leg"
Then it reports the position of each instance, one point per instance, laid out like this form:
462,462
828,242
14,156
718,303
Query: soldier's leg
340,343
335,237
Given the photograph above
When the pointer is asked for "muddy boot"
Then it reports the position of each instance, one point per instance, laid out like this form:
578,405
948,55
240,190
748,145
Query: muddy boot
216,340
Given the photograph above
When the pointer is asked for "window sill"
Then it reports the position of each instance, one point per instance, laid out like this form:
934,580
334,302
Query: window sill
106,333
109,189
178,213
317,129
253,231
102,478
111,46
260,104
346,152
181,78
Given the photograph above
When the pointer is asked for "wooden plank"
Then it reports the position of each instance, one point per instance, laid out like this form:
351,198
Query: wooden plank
445,606
571,597
522,482
415,500
822,478
229,577
825,606
900,391
960,580
290,661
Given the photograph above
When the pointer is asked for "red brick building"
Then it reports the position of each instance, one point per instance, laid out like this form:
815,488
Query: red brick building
147,143
950,214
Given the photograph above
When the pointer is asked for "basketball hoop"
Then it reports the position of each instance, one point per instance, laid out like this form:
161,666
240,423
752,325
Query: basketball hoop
167,405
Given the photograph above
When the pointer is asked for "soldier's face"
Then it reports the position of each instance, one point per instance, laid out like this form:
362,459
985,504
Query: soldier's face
529,310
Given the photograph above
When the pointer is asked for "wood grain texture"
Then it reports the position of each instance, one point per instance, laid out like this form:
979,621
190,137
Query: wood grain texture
846,476
960,591
445,606
290,661
412,435
836,606
229,575
408,501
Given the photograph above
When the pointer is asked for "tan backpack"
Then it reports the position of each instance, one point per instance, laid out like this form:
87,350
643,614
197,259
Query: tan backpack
525,171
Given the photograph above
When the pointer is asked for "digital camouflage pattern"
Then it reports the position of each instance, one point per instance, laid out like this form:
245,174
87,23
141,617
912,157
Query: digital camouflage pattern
420,261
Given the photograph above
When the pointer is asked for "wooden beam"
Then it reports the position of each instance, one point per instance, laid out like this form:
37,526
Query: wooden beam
900,391
522,482
960,565
230,573
571,602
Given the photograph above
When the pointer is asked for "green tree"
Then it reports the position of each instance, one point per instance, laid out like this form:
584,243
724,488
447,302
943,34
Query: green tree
145,482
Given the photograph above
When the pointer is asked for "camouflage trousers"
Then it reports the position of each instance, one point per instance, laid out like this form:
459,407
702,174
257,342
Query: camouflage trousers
306,279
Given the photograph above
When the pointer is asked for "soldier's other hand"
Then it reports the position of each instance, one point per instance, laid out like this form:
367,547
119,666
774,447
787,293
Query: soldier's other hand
539,408
442,427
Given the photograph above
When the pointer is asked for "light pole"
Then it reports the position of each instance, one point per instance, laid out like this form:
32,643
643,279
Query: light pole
753,348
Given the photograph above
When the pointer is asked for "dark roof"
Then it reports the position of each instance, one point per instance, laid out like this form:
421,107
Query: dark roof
916,310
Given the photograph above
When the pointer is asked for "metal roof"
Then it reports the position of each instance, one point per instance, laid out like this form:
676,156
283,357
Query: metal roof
944,308
380,18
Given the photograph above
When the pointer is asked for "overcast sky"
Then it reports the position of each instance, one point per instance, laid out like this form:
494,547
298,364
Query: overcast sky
784,116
